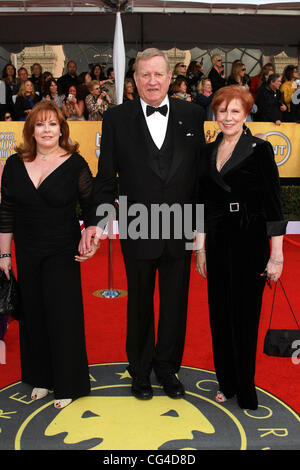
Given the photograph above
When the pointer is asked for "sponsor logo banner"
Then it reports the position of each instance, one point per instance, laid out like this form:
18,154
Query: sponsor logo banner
285,140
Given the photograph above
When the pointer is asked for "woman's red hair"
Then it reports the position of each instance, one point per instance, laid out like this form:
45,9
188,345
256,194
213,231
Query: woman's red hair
232,92
40,112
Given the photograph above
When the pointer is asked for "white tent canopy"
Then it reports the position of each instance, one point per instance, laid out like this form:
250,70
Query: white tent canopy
159,6
272,26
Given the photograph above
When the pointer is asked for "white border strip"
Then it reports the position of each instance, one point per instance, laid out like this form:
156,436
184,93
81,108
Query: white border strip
293,227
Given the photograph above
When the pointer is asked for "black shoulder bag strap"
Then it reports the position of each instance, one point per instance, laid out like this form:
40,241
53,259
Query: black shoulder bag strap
287,302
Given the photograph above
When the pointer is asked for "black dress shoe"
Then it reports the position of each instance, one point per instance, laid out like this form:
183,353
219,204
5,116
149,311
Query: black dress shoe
172,386
141,388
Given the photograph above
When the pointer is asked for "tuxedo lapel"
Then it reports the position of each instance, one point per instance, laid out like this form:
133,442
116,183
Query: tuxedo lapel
139,129
178,128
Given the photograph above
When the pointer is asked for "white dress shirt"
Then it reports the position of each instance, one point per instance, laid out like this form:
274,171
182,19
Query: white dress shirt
157,123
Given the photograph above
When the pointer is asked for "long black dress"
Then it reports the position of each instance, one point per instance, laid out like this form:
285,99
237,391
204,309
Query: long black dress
242,210
46,235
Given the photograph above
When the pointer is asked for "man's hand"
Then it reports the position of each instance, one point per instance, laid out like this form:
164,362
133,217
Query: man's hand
278,123
89,237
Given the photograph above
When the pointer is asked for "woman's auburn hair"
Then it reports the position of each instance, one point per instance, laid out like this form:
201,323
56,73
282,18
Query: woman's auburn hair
40,112
232,92
177,84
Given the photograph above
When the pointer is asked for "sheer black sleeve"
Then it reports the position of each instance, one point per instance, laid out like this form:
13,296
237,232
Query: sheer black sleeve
7,206
85,191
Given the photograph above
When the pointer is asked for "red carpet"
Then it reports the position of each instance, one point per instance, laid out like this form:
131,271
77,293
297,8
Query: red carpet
106,324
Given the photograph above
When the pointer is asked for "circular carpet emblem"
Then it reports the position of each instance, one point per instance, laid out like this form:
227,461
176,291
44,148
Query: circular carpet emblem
110,418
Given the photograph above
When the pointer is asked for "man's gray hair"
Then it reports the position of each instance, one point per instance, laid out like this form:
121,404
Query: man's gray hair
148,54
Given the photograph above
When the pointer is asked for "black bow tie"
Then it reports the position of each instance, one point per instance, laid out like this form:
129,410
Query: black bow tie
162,110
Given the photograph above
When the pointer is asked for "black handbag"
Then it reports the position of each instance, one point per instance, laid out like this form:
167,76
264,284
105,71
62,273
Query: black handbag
9,295
281,343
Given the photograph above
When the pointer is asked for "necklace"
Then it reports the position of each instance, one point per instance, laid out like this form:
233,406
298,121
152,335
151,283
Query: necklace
44,156
222,162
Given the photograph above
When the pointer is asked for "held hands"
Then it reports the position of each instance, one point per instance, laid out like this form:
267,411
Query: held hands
88,244
83,257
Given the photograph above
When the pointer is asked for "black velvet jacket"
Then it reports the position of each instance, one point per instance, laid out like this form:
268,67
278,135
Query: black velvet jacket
250,178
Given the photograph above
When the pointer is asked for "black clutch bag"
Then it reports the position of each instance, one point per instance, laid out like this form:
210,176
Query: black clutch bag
9,295
282,343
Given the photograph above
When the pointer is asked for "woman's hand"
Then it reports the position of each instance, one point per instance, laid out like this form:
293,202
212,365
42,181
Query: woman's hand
201,263
274,270
5,265
83,257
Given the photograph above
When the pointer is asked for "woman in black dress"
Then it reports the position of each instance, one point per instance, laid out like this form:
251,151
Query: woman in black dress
41,185
241,195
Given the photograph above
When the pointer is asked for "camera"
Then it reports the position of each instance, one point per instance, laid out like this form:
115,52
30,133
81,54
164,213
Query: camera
103,89
70,96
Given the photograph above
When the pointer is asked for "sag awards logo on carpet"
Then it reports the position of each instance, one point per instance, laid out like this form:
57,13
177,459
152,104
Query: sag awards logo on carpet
110,418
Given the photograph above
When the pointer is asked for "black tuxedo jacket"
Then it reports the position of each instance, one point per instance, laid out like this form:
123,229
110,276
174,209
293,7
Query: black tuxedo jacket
127,167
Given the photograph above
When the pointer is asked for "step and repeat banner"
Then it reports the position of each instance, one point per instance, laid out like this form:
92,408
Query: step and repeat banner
285,140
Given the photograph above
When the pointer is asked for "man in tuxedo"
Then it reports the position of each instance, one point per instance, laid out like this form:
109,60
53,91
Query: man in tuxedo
153,144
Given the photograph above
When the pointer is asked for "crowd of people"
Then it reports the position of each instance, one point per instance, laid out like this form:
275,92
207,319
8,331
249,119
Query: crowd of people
88,95
272,92
80,97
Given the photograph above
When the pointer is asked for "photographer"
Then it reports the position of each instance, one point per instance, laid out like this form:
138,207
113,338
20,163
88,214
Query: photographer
97,101
72,107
